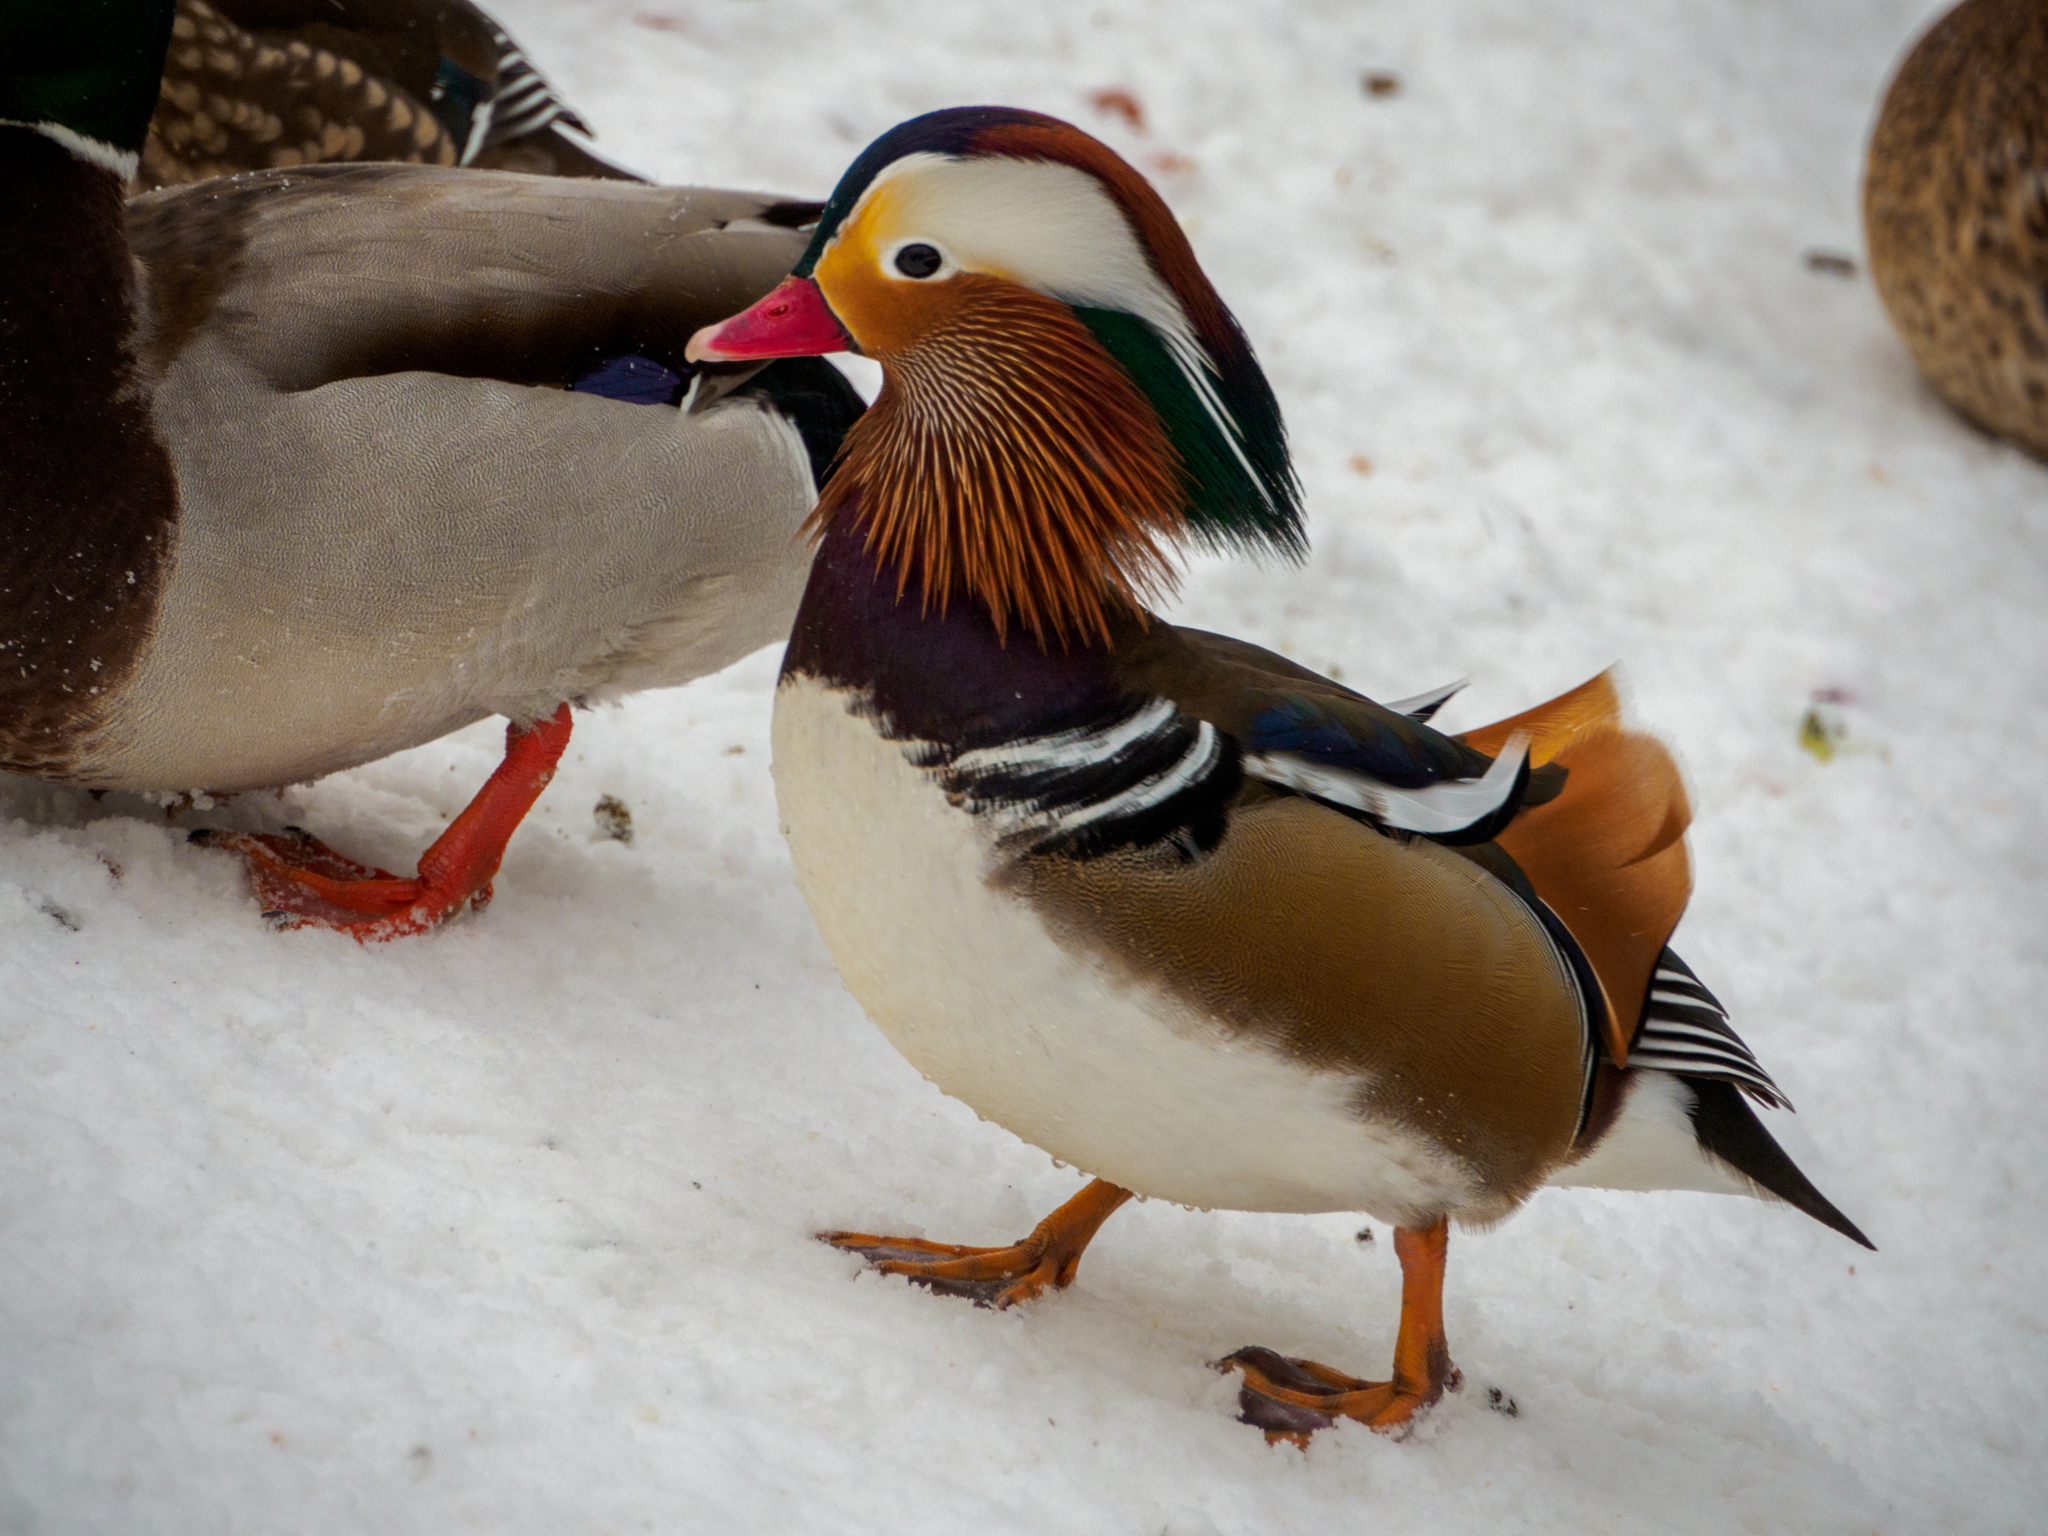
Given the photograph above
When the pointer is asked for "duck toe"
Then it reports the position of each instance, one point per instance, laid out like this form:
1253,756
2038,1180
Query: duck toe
988,1277
1290,1399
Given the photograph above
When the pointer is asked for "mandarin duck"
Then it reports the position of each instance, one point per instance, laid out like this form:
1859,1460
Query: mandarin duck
300,469
1188,916
260,84
1955,213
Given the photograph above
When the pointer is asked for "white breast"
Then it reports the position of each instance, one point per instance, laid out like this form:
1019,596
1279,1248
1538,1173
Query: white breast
1118,1078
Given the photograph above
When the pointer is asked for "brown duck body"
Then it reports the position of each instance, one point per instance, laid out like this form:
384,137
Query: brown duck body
291,481
272,84
1955,210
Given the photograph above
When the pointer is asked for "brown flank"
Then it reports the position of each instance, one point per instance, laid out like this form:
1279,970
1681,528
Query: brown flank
88,496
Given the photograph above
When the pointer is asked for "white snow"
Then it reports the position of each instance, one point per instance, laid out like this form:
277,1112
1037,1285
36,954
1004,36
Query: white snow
508,1229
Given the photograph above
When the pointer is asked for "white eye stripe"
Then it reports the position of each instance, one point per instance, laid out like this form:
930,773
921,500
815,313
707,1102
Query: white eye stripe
1054,228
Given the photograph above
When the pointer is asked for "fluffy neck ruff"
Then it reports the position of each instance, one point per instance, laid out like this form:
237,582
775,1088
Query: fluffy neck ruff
1010,460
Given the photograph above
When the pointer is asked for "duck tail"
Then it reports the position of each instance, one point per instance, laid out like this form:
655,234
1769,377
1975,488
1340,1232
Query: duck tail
1607,854
1727,1127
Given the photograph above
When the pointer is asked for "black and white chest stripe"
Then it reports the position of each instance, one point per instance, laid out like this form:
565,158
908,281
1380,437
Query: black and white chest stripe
1141,772
1138,773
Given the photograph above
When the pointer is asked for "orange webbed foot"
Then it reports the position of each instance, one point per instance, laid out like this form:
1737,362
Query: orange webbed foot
988,1277
995,1277
1291,1399
304,883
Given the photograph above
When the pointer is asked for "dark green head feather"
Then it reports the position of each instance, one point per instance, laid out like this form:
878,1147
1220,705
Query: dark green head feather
92,66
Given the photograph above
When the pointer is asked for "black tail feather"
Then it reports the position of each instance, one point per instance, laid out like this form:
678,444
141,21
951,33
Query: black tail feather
1727,1127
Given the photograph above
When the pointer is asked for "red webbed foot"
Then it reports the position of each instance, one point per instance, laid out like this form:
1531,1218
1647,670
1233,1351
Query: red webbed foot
303,882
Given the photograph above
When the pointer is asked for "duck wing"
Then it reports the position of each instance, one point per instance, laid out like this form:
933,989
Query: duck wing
1299,731
330,272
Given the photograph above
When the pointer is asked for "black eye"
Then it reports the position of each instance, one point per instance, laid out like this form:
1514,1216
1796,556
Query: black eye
919,260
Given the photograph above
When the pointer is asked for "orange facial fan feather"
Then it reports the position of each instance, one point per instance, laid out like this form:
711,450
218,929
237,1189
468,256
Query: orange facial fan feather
1011,458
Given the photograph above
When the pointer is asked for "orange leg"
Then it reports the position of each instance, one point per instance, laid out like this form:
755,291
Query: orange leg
995,1277
305,882
1292,1399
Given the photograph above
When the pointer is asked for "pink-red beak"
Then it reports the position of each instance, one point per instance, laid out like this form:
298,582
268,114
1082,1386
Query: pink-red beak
793,321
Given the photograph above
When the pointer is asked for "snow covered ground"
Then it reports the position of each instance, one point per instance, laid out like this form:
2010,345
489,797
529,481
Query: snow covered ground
508,1229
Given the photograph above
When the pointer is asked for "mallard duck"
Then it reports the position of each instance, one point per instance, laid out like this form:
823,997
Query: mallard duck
1955,213
1190,917
303,468
260,84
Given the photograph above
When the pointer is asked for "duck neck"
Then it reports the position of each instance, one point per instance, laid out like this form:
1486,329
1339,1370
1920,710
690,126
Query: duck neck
88,496
941,673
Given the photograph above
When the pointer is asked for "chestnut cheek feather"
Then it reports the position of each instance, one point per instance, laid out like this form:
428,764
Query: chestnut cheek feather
1010,460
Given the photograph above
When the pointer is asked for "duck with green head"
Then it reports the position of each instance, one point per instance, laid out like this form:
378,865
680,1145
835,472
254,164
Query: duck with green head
1188,916
309,467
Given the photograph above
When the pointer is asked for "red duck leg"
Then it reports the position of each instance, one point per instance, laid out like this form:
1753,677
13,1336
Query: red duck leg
299,876
1291,1399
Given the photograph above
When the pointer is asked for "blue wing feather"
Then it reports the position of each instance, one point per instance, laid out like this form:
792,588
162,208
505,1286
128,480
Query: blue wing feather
1397,752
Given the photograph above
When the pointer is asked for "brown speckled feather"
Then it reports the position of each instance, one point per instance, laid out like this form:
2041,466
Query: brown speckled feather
1955,211
234,102
273,84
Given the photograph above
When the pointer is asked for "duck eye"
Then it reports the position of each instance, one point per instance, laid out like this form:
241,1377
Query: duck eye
919,260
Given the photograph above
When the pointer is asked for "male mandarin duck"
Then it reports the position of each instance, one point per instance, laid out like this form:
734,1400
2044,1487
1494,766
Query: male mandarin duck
1955,213
269,84
301,469
1190,917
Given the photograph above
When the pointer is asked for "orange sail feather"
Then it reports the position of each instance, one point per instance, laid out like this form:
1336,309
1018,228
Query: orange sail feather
1608,854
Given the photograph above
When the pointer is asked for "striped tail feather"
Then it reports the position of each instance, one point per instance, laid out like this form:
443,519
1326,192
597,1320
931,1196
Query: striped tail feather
525,100
1685,1030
